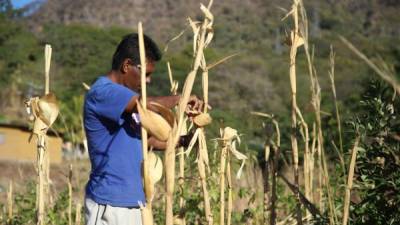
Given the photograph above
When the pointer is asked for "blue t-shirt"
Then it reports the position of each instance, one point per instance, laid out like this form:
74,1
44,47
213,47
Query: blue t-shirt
114,146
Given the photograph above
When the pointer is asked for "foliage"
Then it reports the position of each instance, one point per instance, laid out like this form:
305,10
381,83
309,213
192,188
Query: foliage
191,192
24,208
378,164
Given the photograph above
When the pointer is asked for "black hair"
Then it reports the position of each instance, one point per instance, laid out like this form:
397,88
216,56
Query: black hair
128,48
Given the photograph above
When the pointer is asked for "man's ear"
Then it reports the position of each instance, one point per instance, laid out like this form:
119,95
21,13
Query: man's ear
125,65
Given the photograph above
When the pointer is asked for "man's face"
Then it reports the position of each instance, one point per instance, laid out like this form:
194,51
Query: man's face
133,74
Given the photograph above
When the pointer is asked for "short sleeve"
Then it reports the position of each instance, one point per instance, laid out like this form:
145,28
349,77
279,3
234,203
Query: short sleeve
111,100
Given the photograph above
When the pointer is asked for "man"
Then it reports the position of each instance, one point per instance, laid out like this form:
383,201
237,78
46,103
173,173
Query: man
114,190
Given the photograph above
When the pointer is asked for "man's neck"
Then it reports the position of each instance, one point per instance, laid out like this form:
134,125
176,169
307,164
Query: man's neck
115,76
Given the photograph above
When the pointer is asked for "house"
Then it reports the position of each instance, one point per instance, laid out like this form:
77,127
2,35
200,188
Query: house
15,145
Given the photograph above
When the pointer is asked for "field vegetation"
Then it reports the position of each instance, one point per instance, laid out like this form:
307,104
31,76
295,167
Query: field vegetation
318,124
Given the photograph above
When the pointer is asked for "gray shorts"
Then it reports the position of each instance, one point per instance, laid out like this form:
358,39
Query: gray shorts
97,214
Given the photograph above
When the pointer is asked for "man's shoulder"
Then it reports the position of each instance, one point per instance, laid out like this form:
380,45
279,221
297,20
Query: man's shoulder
101,82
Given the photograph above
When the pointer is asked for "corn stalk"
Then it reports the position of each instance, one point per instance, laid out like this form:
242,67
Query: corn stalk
272,159
229,139
147,215
230,200
267,199
78,214
70,195
350,181
224,153
295,41
181,179
201,37
316,100
42,146
307,156
10,202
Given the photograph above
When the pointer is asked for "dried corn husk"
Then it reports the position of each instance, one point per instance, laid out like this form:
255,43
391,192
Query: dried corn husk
203,119
43,111
155,124
295,40
166,113
48,109
155,167
230,136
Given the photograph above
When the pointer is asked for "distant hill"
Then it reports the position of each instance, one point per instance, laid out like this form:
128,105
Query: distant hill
162,17
257,79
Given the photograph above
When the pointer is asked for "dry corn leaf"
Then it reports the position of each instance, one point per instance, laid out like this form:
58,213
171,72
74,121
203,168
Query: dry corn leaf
206,12
196,31
208,15
239,156
187,88
203,152
86,86
154,123
209,38
192,142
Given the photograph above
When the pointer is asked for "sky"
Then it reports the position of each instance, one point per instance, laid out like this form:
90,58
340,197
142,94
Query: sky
20,3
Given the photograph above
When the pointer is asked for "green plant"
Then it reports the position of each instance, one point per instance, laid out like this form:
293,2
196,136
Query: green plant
378,164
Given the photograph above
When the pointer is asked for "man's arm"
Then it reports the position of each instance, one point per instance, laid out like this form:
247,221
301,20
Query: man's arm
166,101
157,144
162,145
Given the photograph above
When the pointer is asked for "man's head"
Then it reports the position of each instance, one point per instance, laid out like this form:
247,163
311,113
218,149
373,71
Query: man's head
126,60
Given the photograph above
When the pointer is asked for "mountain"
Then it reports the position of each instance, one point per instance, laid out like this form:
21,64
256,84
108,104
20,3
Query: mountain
256,79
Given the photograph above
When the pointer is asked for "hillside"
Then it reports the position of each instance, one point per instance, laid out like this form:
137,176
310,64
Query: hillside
84,33
253,28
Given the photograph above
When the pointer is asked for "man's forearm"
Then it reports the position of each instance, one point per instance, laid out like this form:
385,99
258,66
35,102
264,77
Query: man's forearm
157,144
166,101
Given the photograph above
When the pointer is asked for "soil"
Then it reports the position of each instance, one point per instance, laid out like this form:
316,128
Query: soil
21,173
